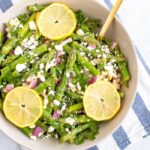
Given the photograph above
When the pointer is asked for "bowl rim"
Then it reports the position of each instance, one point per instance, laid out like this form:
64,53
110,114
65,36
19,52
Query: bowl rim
136,63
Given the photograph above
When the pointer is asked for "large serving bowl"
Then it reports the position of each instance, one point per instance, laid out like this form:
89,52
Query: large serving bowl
93,9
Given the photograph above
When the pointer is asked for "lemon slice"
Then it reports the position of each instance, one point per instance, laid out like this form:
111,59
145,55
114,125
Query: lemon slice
56,21
101,101
23,106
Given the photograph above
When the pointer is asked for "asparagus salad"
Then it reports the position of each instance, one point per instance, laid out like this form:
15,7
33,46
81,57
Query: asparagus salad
57,80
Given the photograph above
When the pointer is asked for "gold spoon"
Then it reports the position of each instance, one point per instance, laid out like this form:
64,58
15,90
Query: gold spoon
109,19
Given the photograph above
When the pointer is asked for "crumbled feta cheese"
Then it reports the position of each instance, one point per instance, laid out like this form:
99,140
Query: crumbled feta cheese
107,51
18,50
30,43
112,61
69,40
33,126
99,55
67,74
80,32
92,62
78,86
108,67
21,26
51,129
72,86
32,47
63,108
104,55
32,25
97,51
52,92
32,61
70,121
59,47
20,67
56,102
45,101
67,130
82,53
41,66
41,76
50,64
33,137
9,35
56,136
14,22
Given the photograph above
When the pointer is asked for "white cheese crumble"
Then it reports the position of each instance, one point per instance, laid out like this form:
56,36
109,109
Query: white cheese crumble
69,40
30,43
97,51
41,66
45,101
51,129
14,23
20,67
72,86
33,137
32,127
56,136
52,92
32,25
41,76
59,47
67,74
67,130
18,50
80,32
56,102
70,121
50,64
82,53
78,86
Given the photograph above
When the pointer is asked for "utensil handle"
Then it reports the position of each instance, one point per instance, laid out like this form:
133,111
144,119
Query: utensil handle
109,19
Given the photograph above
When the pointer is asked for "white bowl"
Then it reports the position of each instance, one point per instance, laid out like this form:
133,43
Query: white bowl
94,9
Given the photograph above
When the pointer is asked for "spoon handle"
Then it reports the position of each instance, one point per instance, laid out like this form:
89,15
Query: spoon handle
109,19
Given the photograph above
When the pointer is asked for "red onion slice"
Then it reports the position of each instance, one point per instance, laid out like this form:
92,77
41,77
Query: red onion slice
37,131
56,114
8,88
92,80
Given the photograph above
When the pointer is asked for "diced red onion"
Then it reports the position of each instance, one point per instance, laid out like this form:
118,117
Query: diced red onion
58,82
37,131
56,114
8,88
58,60
113,45
11,52
92,80
90,47
33,84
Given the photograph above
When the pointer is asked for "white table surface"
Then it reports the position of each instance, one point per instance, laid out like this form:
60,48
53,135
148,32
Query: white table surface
138,25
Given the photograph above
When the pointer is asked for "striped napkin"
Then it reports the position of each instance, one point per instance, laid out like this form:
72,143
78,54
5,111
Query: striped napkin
136,125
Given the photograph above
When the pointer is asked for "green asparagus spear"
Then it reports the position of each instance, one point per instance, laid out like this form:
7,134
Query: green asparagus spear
14,57
124,72
27,131
84,62
70,62
36,7
74,132
22,32
76,69
73,95
75,107
43,85
23,59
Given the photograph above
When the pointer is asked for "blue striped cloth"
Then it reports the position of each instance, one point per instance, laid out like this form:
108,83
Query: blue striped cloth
136,124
